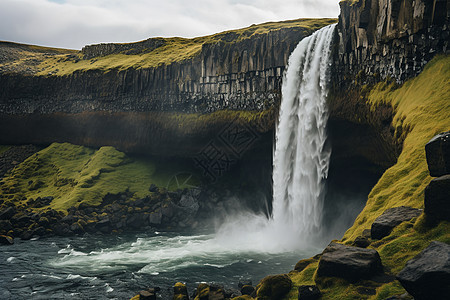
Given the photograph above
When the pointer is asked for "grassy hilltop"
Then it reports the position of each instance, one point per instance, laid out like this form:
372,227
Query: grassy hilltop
43,61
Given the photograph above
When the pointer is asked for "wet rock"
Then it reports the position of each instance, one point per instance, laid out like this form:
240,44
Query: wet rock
383,225
437,199
5,226
180,291
438,154
6,240
274,287
351,263
309,292
243,282
427,275
247,290
147,295
7,213
190,204
104,226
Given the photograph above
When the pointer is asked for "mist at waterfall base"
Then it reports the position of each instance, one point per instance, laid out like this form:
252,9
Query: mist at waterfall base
245,246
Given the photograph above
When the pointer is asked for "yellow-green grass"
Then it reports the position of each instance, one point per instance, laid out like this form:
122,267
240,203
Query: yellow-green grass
174,49
422,110
74,174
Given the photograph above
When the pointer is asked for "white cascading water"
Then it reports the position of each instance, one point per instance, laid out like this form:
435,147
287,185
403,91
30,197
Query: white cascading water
301,160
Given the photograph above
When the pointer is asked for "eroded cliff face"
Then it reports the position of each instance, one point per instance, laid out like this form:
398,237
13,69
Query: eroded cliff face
390,38
242,75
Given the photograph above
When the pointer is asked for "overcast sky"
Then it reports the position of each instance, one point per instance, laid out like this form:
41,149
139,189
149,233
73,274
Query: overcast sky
75,23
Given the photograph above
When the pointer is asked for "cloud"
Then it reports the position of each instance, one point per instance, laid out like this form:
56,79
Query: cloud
75,23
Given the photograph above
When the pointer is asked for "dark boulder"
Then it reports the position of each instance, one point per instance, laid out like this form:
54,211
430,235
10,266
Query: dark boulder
155,218
438,154
147,295
309,292
7,213
247,290
6,240
5,226
437,199
351,263
274,287
427,276
390,218
243,282
361,242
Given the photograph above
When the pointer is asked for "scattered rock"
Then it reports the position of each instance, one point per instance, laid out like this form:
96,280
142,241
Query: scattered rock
147,295
351,263
274,287
180,291
390,218
247,290
243,282
361,242
309,292
438,154
427,276
6,240
437,199
153,188
155,218
7,213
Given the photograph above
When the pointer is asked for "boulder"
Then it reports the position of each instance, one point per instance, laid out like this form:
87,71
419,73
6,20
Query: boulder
437,199
155,218
243,282
309,292
6,240
247,290
147,295
210,292
383,225
361,242
274,287
180,291
7,213
427,276
351,263
438,154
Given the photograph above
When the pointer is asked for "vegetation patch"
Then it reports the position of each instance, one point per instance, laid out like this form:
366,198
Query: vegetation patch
74,174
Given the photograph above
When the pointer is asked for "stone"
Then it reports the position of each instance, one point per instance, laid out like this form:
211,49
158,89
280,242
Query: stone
5,226
351,263
243,282
308,292
153,188
390,218
247,290
437,199
6,240
180,291
427,275
274,287
361,242
438,154
7,213
147,295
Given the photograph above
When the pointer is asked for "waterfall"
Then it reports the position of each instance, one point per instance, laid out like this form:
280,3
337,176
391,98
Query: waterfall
301,160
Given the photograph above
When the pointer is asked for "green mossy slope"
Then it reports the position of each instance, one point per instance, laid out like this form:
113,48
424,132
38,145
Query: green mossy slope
75,174
422,110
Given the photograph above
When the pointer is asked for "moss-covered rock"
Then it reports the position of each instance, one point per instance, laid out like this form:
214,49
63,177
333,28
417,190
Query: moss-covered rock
274,287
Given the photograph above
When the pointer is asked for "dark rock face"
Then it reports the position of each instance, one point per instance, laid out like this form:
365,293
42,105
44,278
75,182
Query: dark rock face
351,263
427,275
15,155
437,199
180,292
309,292
383,225
390,38
438,154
